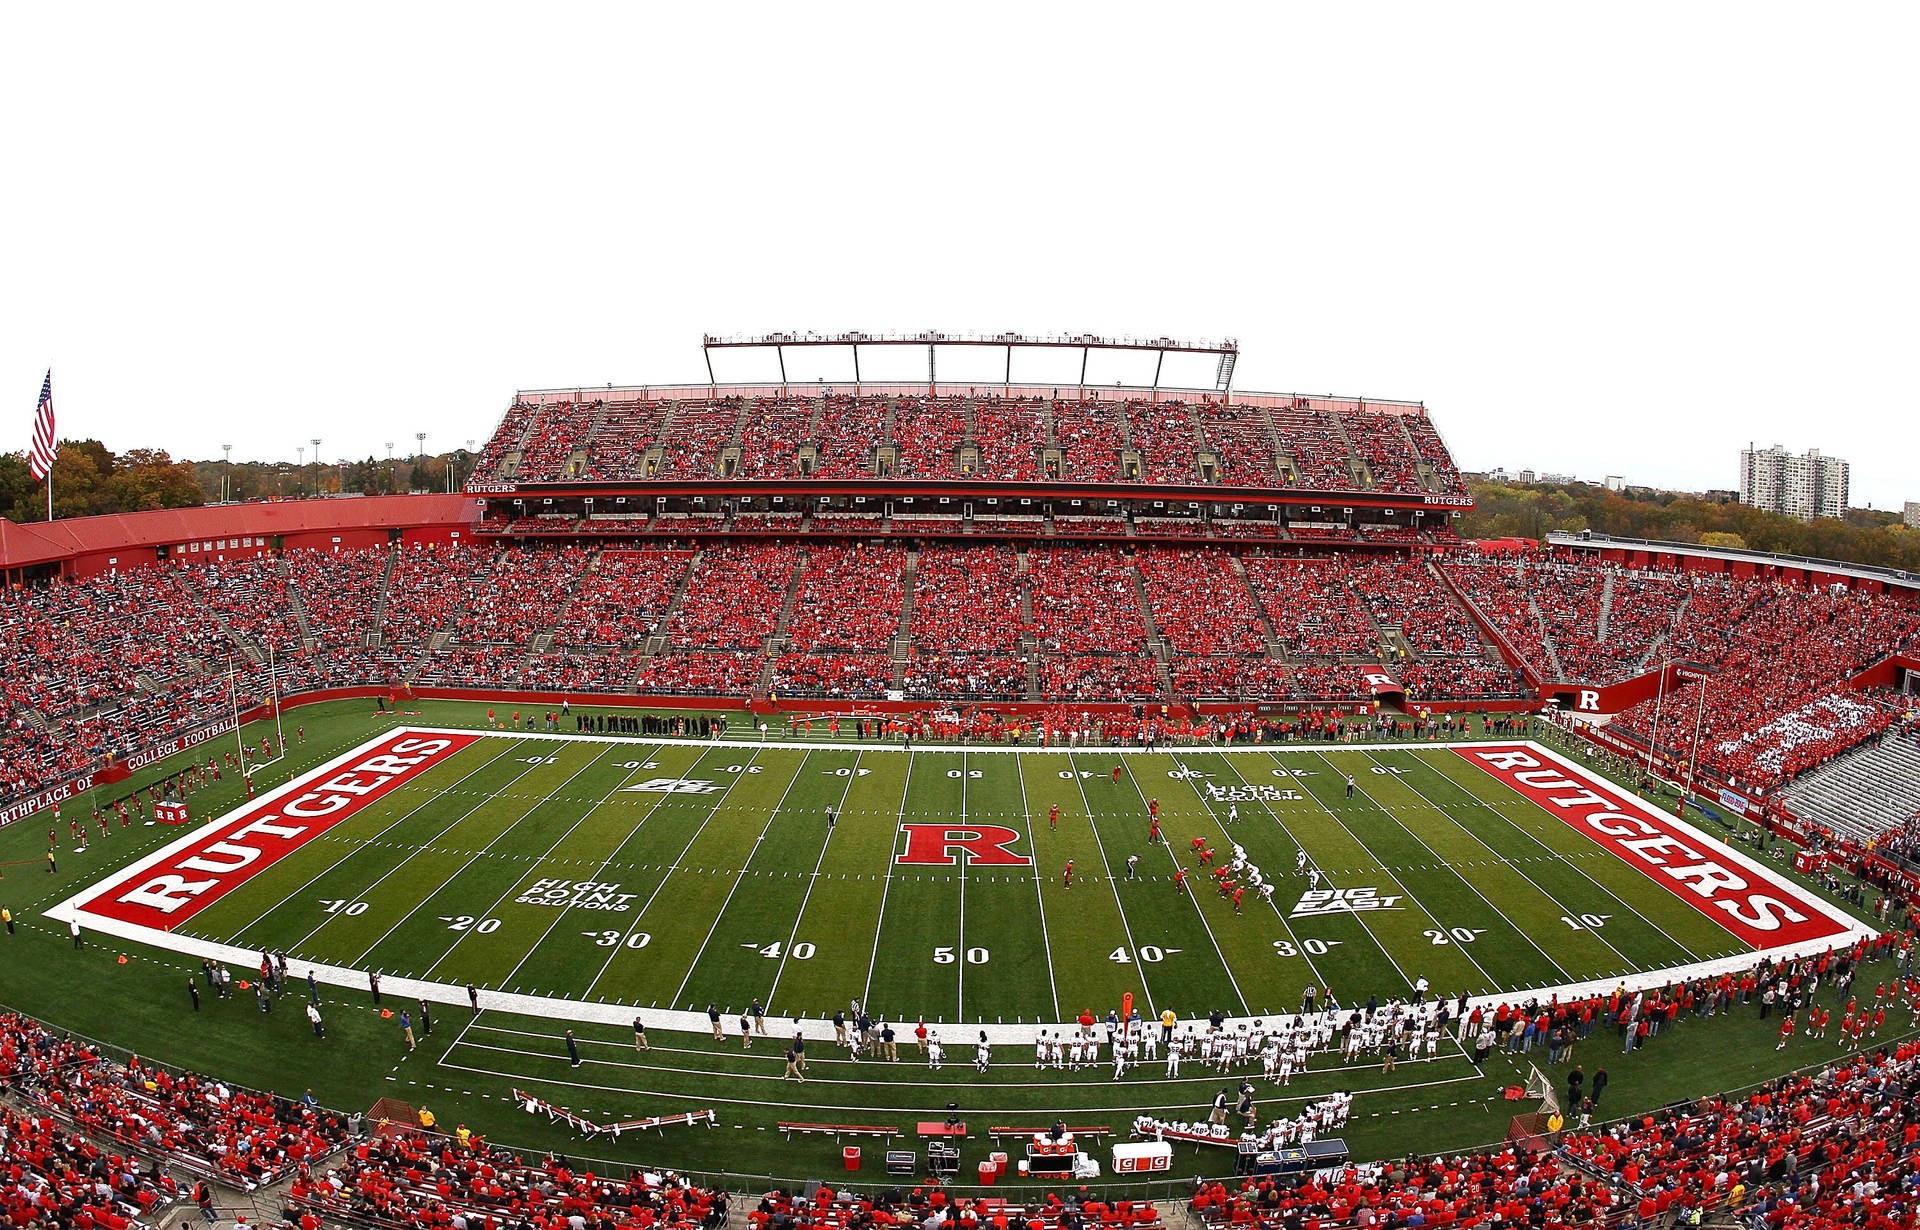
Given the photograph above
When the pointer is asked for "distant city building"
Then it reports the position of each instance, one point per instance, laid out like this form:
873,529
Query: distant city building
1526,476
1912,517
1720,495
1799,485
1616,482
1558,480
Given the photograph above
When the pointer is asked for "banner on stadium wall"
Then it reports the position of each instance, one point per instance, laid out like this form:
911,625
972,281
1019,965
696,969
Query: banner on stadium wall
1744,897
170,887
119,770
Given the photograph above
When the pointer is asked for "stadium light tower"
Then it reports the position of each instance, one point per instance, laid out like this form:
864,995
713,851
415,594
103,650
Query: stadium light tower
389,467
316,465
226,479
420,456
299,464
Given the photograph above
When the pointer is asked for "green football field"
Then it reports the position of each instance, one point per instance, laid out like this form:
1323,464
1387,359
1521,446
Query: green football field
577,880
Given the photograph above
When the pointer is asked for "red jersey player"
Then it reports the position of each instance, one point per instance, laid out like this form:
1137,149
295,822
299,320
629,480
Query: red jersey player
1053,816
1066,877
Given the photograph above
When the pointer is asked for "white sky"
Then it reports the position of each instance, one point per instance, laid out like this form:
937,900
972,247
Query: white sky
1618,239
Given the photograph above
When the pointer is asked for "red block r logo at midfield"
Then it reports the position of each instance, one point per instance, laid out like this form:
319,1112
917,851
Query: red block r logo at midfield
933,845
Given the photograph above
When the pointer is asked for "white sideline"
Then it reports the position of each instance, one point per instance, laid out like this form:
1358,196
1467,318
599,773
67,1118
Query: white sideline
561,1009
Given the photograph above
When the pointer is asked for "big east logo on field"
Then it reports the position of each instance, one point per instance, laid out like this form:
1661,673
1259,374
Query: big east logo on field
941,845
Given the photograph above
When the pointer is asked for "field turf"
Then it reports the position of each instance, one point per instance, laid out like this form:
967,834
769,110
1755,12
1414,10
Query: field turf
720,882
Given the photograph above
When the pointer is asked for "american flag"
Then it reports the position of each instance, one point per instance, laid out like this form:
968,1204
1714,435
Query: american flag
41,458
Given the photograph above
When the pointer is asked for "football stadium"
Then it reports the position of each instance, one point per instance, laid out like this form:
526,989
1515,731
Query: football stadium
1081,803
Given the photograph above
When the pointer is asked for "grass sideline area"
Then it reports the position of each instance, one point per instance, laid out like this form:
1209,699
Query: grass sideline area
466,1067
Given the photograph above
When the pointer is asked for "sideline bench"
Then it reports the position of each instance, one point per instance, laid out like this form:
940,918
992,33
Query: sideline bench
1097,1133
837,1130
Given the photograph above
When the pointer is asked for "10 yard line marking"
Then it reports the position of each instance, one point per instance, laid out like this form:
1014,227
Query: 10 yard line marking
402,818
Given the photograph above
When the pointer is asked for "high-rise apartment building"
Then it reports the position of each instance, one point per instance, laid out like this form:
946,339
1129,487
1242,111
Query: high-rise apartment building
1804,485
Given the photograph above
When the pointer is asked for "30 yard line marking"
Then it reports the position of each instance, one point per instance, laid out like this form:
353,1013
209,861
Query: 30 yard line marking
441,960
740,874
560,915
1285,925
640,914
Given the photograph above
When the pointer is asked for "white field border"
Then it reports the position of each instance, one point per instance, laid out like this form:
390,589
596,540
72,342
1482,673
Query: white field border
567,1010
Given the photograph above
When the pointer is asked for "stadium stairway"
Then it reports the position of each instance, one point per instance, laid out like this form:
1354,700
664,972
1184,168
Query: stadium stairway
380,607
1600,624
1546,638
1864,792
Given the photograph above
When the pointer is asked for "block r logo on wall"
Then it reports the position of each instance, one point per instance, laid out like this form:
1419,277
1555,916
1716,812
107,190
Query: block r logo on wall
675,785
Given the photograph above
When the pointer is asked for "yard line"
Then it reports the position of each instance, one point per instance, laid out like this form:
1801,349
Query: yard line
404,816
1388,812
640,914
1039,893
1552,853
960,966
801,914
403,862
893,851
741,874
1628,964
560,915
1285,923
476,856
1308,794
1139,966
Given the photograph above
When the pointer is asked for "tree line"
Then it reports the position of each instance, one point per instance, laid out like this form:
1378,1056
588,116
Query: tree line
1864,536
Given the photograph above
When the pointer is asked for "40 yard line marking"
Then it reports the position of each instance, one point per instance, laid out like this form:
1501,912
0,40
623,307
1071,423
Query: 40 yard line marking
801,914
1139,966
741,873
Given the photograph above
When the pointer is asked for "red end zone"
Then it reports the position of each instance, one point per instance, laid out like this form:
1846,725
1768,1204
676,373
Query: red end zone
193,875
1762,910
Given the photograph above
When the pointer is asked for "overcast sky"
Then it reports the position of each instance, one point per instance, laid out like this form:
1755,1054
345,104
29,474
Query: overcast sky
1606,239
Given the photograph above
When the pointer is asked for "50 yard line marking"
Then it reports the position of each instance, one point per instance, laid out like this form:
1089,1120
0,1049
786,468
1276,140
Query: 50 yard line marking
640,914
741,873
960,966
